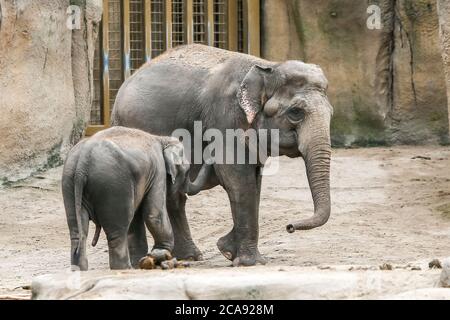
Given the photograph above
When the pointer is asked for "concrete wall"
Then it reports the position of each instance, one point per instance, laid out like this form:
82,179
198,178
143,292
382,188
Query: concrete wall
387,85
45,82
444,31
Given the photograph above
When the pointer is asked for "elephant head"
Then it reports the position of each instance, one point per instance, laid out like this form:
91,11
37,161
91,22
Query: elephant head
177,165
291,97
178,168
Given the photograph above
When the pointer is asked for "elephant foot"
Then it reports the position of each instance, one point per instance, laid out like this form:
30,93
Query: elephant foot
248,260
228,248
188,252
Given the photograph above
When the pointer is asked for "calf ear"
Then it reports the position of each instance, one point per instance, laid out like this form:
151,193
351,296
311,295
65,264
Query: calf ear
174,159
252,91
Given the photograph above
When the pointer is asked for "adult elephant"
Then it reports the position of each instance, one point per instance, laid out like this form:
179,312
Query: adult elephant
227,90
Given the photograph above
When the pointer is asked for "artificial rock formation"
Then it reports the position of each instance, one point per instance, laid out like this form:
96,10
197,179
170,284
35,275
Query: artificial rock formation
444,31
258,283
387,84
45,81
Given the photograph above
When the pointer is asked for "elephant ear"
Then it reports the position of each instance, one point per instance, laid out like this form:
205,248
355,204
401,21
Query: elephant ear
252,91
174,159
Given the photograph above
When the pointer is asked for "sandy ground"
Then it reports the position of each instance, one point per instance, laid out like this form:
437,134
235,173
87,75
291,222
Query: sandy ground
386,208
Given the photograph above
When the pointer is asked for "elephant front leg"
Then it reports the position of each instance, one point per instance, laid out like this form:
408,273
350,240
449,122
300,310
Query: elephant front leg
242,184
184,246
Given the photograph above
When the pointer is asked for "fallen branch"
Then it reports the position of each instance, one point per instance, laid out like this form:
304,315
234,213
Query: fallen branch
421,158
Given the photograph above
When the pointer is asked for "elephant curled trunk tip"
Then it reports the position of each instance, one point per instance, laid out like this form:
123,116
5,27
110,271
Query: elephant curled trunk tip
308,224
318,171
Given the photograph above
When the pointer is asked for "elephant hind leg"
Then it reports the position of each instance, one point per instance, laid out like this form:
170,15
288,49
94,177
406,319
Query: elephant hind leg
115,218
119,257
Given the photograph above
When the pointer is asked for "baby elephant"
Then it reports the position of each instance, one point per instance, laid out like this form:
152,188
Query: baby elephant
118,178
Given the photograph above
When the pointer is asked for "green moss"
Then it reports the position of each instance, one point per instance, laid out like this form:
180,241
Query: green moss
333,26
80,3
444,210
359,126
300,27
444,139
53,158
77,131
411,12
254,294
436,116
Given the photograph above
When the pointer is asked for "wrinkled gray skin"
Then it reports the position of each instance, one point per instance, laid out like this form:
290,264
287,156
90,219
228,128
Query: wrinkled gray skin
227,90
118,178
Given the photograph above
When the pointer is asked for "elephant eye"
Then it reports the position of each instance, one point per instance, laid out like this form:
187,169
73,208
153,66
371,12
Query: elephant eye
296,114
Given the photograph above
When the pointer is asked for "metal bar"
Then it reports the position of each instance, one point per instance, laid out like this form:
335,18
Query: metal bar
93,129
105,50
210,23
148,30
168,24
254,28
190,21
232,25
126,39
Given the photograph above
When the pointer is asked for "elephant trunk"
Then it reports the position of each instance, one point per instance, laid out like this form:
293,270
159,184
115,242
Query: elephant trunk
192,188
317,159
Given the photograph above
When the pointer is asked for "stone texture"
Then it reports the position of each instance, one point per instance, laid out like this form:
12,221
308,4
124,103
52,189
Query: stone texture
248,283
444,32
419,106
422,294
83,48
445,275
387,85
43,95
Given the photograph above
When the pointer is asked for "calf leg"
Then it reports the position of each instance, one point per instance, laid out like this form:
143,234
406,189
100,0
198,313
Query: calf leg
137,240
184,246
157,220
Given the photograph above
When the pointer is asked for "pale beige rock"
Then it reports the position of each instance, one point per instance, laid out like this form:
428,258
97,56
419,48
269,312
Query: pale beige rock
44,84
422,294
445,275
444,32
419,109
386,85
265,283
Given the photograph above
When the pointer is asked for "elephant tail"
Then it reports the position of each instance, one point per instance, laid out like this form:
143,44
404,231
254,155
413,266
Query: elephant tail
80,180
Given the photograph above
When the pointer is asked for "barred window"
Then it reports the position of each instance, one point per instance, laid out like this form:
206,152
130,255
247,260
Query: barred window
220,24
137,34
158,27
178,23
135,31
200,21
115,61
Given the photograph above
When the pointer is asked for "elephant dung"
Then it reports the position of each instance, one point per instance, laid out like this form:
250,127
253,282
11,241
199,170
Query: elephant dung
147,263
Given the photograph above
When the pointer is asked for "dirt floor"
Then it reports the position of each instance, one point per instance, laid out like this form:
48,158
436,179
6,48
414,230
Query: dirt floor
389,205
